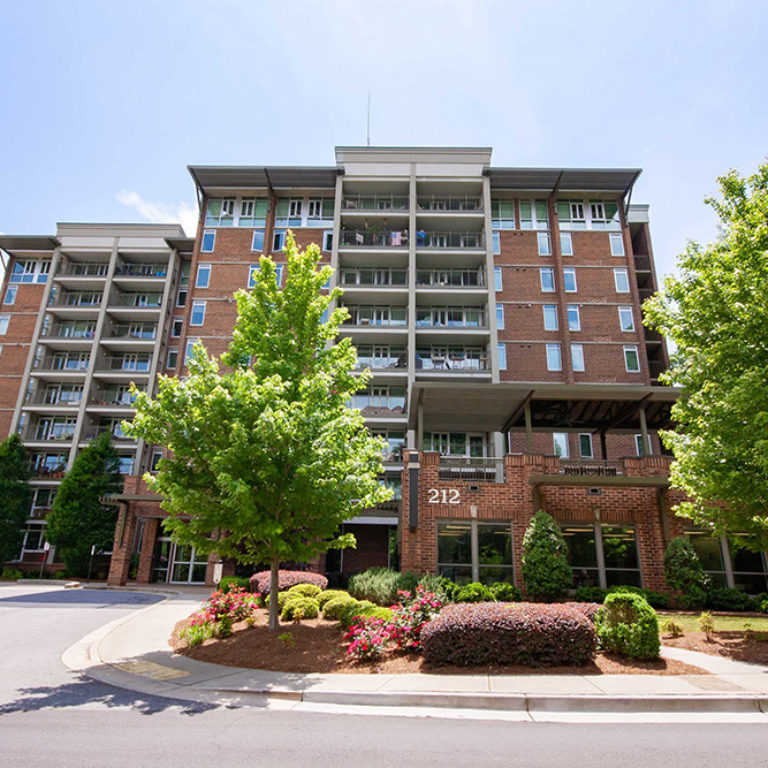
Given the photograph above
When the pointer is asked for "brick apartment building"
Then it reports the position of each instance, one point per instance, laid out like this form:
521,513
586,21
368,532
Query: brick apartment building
498,309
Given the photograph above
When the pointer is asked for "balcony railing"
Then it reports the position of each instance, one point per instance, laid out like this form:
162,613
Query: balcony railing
374,203
57,363
138,300
76,299
141,270
85,270
384,278
460,240
450,317
47,469
376,316
129,364
484,469
586,467
53,398
66,332
55,433
381,363
448,363
451,278
132,332
449,203
374,238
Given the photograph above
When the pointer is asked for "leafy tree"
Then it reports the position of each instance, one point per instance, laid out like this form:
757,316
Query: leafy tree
79,519
545,558
15,497
267,459
683,571
716,313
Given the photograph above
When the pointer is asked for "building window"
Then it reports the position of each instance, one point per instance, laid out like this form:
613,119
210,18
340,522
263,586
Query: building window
596,214
253,271
545,247
203,276
569,279
190,349
253,212
209,240
278,241
577,357
220,212
500,316
328,240
197,316
4,321
503,214
496,241
566,244
574,321
156,456
554,359
640,449
547,279
181,299
621,280
469,550
631,358
502,357
173,358
257,244
279,274
617,244
550,317
23,271
533,214
176,327
626,321
560,444
602,555
585,446
10,294
497,278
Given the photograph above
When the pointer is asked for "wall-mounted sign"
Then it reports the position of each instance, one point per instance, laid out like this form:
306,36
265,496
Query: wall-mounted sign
444,496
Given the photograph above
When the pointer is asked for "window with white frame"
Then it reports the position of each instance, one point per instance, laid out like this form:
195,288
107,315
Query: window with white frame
181,298
497,278
279,274
577,357
545,247
10,294
190,349
157,454
503,214
328,240
456,444
257,242
640,449
502,351
626,320
173,358
209,241
197,316
496,241
617,244
253,271
560,444
320,211
631,358
547,275
253,212
176,326
220,212
500,316
4,322
621,280
591,214
289,212
278,240
203,276
28,271
473,551
554,358
574,321
569,279
533,214
585,446
550,317
566,244
34,538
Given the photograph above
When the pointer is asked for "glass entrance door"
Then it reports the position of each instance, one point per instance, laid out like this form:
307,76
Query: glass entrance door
188,567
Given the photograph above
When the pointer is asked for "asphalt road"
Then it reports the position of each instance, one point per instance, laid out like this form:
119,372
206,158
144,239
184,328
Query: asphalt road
50,716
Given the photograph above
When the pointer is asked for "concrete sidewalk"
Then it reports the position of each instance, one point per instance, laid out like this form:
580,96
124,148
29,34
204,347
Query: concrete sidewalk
133,653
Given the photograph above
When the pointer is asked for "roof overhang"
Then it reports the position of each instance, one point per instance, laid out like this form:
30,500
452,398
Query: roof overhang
220,179
28,243
181,244
618,181
484,407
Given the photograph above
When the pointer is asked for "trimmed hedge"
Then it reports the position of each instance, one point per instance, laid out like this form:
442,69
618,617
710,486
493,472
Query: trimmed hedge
364,609
532,634
629,626
474,593
299,607
306,590
334,608
598,595
259,582
331,594
729,599
282,597
506,593
590,610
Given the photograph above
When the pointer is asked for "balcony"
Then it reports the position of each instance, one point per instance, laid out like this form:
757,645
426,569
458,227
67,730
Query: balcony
377,317
450,278
75,304
124,367
587,467
453,360
374,203
54,398
374,278
373,238
62,365
48,467
75,269
456,318
141,270
449,203
48,433
130,336
381,358
449,240
485,469
137,300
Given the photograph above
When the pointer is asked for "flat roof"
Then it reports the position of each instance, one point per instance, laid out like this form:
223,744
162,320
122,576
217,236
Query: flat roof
218,177
181,244
27,243
617,180
500,407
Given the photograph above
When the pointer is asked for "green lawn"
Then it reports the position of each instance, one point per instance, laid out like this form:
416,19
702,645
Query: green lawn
690,623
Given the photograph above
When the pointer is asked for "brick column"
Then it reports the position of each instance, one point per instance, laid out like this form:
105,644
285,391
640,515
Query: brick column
144,572
125,530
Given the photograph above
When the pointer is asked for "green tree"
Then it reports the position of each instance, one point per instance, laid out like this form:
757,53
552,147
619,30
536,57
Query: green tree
716,313
15,497
683,571
79,519
267,459
545,558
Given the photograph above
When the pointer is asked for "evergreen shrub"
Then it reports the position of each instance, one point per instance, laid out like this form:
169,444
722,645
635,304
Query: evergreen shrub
627,625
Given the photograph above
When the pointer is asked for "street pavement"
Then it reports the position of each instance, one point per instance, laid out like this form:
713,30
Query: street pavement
50,714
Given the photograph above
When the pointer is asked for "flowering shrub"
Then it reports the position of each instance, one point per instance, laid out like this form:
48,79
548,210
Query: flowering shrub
286,579
411,615
369,638
534,634
218,614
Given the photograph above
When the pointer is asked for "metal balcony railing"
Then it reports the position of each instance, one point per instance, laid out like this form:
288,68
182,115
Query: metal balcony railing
129,363
451,278
455,203
87,299
587,467
133,332
448,363
484,469
85,270
374,203
141,270
55,433
374,238
383,278
450,318
425,239
53,398
399,362
69,332
61,363
138,300
47,469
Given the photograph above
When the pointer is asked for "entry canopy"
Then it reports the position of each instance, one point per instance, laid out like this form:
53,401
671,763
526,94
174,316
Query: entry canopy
484,407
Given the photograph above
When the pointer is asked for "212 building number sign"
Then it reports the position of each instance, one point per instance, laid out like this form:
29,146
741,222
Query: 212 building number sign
444,496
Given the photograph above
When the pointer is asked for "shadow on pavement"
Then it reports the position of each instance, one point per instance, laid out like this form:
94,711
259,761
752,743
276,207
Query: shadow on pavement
84,691
67,598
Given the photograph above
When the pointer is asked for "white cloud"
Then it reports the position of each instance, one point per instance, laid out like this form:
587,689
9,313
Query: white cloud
183,213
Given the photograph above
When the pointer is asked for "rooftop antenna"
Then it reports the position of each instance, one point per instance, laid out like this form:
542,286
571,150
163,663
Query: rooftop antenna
368,135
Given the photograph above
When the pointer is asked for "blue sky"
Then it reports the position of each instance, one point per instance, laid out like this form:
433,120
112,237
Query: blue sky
104,104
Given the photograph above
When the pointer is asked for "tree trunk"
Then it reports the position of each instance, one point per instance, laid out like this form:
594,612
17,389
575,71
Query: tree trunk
273,588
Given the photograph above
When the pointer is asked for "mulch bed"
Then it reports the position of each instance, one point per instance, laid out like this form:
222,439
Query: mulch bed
318,646
731,644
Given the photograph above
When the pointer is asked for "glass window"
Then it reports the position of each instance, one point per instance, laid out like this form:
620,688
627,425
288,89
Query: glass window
190,348
550,317
547,275
709,550
502,357
631,359
750,574
639,448
621,280
545,247
203,275
253,212
328,240
626,321
181,299
503,214
494,552
497,278
617,244
4,322
197,316
554,360
458,541
620,556
585,446
279,240
533,214
566,244
582,554
454,551
500,316
209,240
577,357
574,321
173,358
10,294
569,279
257,243
496,240
560,443
176,327
279,274
253,270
